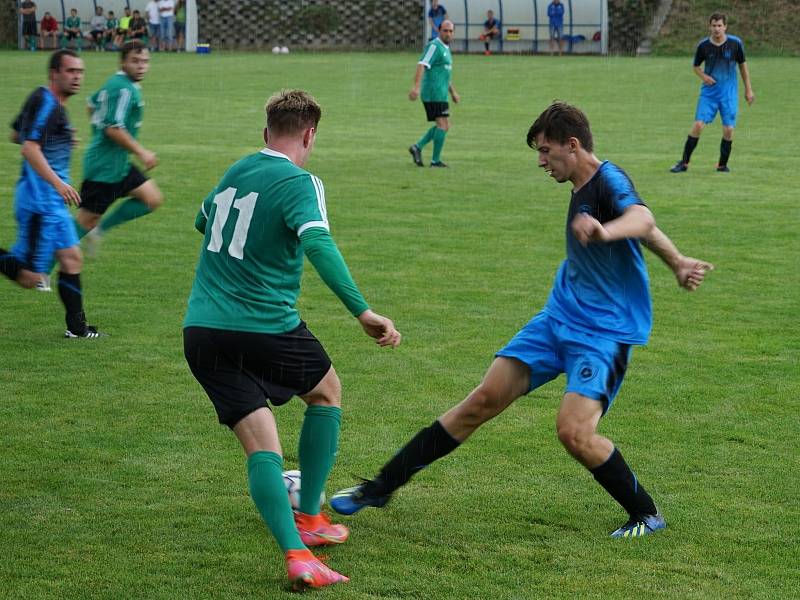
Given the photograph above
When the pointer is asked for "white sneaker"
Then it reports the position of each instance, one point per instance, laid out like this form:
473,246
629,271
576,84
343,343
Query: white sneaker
44,284
91,242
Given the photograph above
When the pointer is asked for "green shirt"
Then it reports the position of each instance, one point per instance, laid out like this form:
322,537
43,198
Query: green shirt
438,64
72,23
118,103
251,261
112,23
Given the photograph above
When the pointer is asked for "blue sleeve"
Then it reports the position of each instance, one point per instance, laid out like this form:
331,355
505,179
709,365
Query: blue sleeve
739,52
620,193
31,122
699,54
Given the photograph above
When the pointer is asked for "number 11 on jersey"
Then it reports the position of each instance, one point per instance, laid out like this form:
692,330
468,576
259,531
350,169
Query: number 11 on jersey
245,205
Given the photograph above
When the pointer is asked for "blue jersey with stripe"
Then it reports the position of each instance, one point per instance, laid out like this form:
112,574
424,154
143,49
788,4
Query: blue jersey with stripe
603,288
720,62
43,120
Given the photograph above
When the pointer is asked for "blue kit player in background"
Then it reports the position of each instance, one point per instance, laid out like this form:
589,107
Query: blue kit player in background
555,13
45,227
719,92
598,309
436,15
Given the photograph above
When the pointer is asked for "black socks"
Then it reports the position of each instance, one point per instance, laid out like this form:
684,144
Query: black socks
619,481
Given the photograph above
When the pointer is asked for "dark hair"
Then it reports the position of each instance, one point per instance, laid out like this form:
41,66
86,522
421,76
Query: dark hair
57,57
136,12
135,46
559,122
718,16
291,111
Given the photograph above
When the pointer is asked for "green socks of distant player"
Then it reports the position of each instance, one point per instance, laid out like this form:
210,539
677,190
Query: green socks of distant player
128,211
429,135
319,439
268,491
438,144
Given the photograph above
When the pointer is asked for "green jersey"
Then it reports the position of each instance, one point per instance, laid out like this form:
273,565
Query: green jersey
438,63
72,23
251,261
118,103
112,23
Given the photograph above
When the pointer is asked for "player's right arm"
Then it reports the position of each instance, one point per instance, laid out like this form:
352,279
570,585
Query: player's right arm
121,137
32,152
413,94
699,57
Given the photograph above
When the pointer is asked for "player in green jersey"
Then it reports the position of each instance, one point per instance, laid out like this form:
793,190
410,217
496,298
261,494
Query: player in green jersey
244,340
436,63
116,115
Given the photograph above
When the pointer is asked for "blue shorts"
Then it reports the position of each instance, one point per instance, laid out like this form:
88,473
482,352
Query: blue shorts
708,107
556,30
154,29
595,366
40,235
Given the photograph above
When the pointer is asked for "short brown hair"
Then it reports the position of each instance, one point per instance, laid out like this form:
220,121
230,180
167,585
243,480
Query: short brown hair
291,111
559,122
134,46
718,16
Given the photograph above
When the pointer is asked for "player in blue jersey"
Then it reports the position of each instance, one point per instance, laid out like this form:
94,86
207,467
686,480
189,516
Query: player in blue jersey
598,309
555,15
43,192
719,92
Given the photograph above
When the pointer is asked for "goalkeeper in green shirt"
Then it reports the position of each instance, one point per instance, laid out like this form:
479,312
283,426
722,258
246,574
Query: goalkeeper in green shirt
244,340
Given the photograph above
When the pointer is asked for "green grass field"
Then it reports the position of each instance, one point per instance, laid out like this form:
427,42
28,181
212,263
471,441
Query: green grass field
117,482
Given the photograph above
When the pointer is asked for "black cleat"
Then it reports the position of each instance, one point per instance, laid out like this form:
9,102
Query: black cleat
416,155
439,164
89,332
723,169
680,167
352,500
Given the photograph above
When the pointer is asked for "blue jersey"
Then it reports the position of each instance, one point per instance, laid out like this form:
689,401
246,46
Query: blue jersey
720,63
437,15
43,120
603,288
555,12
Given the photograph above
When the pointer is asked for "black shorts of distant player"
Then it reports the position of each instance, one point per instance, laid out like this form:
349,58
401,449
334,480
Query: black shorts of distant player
97,196
241,370
436,109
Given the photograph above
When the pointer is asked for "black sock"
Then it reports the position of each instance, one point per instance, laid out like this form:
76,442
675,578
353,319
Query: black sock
688,148
428,445
619,481
487,45
724,151
69,289
9,265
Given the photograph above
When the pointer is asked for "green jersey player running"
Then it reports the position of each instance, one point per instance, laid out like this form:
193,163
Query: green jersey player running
244,340
436,63
116,111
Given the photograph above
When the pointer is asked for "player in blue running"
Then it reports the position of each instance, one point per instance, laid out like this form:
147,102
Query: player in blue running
598,309
720,91
45,228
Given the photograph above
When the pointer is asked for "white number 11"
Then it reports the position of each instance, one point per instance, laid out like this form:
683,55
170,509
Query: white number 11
245,205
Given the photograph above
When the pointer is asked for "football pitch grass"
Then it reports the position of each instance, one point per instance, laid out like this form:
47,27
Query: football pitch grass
117,482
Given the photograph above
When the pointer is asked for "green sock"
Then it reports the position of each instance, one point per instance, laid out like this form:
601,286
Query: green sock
128,211
429,135
438,144
268,491
319,439
79,229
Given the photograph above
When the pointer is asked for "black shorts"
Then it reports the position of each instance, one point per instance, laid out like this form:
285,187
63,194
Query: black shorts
241,370
97,196
436,109
29,27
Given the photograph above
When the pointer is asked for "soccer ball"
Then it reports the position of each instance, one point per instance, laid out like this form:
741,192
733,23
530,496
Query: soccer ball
292,481
284,50
276,49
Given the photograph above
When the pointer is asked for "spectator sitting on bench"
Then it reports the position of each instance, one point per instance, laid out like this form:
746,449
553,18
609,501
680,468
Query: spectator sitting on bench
491,31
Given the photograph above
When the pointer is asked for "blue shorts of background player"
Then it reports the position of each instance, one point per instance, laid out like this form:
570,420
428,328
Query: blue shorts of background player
594,366
709,106
556,30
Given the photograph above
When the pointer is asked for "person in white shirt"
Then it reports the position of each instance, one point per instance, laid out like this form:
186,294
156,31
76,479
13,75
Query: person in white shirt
153,23
167,9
